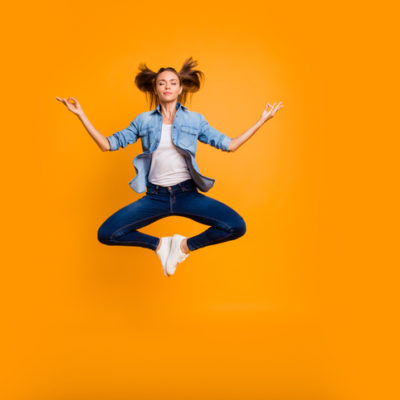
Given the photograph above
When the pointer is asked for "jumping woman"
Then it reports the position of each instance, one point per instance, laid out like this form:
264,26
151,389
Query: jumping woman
166,169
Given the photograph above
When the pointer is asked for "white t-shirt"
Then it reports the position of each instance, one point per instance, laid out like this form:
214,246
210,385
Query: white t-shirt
168,166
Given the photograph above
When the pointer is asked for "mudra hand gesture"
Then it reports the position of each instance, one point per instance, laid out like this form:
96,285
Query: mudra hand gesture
270,111
74,107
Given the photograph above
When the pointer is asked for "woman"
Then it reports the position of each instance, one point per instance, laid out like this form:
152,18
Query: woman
167,170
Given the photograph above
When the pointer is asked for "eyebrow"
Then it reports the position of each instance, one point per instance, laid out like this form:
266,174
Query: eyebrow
172,79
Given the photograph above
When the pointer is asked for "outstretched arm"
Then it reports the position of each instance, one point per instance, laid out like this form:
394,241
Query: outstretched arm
106,143
267,114
76,109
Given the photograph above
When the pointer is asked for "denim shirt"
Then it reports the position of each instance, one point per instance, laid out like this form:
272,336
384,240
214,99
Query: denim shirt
188,127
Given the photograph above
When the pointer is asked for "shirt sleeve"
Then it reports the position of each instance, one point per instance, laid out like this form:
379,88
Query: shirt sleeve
127,136
211,136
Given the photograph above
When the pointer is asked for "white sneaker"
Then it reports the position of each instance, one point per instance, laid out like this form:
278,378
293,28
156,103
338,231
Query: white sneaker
163,251
176,255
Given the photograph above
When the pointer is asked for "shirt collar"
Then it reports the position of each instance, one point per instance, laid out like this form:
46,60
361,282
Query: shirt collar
178,105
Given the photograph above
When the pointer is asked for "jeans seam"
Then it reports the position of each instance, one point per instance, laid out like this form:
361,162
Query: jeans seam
130,242
214,241
213,219
133,223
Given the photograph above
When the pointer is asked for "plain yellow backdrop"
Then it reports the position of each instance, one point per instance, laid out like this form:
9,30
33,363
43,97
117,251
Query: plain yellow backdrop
301,307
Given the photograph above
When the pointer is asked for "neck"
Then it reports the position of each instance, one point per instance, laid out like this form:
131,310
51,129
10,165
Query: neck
168,109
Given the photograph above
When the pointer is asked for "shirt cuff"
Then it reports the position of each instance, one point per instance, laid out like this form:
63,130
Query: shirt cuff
225,143
113,143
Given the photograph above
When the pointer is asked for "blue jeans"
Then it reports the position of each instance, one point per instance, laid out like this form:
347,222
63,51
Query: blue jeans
182,199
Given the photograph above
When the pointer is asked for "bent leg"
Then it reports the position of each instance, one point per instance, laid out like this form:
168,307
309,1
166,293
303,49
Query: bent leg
121,227
225,223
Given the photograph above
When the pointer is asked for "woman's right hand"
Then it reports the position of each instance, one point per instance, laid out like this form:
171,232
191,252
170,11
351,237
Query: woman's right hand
74,107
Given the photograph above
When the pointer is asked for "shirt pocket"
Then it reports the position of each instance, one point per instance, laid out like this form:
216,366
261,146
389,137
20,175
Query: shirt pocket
145,136
188,136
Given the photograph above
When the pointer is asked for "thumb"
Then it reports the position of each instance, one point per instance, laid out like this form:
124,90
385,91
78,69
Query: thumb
75,100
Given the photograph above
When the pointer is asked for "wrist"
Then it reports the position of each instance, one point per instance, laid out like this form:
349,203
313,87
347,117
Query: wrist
80,115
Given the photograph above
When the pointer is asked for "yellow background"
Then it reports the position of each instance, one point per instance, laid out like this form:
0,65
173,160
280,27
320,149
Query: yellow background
301,307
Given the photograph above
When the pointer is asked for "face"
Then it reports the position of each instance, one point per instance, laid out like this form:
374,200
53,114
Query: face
168,87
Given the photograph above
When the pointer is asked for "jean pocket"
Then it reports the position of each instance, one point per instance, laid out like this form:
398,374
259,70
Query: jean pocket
189,188
187,136
145,136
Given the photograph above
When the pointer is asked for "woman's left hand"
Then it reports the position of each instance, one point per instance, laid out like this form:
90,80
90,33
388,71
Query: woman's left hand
270,111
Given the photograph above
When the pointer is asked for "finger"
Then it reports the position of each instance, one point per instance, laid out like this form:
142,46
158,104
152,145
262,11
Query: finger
74,99
68,105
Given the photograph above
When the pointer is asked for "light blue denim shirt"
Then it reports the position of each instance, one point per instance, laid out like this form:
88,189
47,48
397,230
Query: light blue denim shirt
187,128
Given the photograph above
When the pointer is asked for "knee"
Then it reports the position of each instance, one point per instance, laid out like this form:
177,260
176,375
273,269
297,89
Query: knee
239,227
103,236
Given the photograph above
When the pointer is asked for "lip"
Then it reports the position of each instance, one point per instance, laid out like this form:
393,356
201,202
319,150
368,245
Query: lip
167,92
